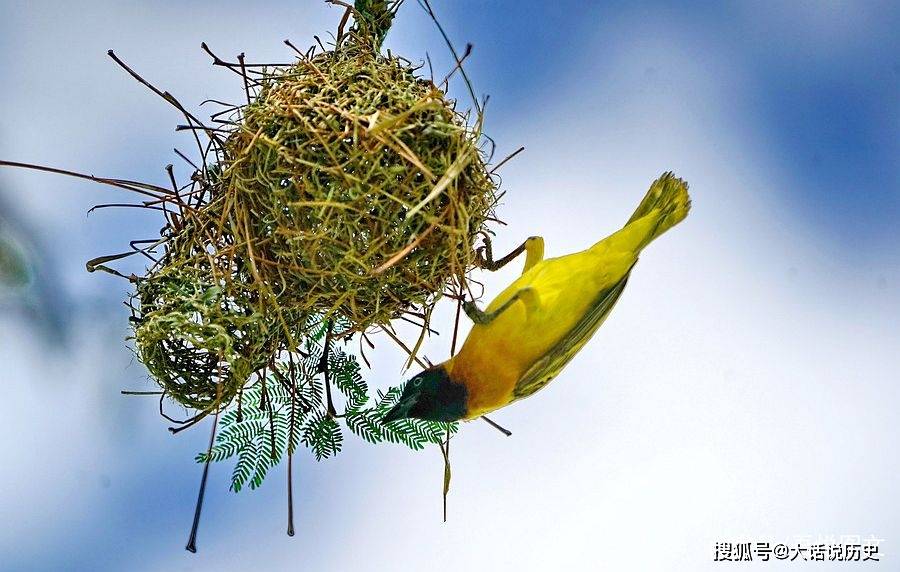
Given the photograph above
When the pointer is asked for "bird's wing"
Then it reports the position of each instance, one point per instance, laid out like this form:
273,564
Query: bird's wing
546,368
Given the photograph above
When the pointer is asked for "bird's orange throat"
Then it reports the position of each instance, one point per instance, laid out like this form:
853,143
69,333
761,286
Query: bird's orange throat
488,383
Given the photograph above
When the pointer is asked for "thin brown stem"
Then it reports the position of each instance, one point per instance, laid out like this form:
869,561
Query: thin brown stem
271,415
244,75
400,343
508,158
171,100
459,303
323,368
458,65
192,539
503,430
445,450
140,188
290,449
191,422
456,57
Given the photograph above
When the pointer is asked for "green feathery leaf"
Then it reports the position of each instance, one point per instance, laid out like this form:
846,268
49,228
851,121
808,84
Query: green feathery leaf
287,409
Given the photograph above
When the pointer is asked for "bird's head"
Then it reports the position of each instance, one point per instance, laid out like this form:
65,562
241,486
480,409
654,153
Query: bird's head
430,395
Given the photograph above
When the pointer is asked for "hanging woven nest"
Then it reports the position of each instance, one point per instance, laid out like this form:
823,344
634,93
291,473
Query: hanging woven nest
348,186
360,185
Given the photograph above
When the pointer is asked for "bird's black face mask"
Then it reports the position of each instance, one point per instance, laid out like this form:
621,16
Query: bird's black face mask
430,395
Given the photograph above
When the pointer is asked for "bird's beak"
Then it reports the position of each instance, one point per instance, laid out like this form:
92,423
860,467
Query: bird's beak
399,411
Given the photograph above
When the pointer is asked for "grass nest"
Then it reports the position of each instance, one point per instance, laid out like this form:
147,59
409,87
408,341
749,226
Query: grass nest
199,341
347,186
360,186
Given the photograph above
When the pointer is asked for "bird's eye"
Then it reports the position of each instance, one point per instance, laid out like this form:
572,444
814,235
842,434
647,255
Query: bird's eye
417,381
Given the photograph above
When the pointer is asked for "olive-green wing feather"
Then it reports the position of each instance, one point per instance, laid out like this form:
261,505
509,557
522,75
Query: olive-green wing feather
546,368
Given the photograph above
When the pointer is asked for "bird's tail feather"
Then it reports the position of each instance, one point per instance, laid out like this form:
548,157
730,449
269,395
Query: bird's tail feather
668,195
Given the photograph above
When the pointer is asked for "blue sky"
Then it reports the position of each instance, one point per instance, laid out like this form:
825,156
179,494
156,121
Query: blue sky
818,80
767,405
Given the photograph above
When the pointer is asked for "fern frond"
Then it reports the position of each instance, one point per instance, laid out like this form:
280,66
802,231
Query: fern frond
345,372
287,409
366,425
323,435
245,467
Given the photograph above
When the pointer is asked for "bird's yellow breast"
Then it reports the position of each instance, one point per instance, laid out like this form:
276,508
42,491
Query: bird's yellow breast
495,356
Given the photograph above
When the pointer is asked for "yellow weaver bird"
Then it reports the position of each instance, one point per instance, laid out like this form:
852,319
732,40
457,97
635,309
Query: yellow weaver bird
535,326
